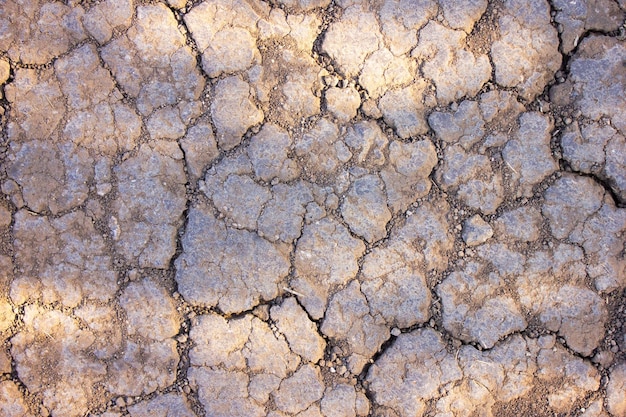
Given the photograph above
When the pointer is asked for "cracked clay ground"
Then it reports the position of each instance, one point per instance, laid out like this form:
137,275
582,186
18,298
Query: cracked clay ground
248,208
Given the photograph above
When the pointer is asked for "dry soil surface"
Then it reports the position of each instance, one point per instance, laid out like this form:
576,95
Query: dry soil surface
312,208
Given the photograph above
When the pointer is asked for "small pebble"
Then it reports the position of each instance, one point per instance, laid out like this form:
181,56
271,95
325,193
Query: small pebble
603,358
330,80
476,231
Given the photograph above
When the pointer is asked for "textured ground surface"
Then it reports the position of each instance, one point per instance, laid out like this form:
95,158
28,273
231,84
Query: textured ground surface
312,208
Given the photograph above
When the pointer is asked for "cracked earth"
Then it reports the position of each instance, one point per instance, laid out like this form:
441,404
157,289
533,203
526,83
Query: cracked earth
313,208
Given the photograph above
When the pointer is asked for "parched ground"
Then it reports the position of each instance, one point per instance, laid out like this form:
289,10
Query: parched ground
313,208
